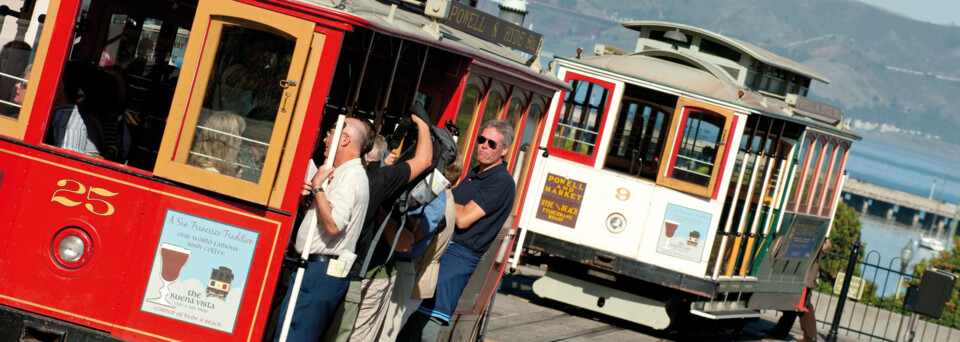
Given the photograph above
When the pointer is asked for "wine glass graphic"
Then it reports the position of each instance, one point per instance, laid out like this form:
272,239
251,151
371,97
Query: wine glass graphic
671,228
172,259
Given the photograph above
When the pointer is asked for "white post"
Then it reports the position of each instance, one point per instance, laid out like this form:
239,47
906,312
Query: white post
335,143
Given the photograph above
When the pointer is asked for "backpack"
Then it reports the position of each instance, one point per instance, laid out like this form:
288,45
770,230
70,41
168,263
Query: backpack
428,185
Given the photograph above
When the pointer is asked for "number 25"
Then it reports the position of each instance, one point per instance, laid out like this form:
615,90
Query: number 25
80,189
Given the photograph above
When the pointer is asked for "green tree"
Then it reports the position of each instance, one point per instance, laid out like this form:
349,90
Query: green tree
845,231
947,261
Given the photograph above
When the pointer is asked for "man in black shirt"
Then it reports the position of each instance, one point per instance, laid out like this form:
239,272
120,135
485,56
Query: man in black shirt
369,293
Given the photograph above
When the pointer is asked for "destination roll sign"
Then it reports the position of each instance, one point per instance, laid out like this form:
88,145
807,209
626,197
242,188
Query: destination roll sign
492,29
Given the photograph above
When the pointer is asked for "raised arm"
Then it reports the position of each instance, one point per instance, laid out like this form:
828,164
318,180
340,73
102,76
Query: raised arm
424,152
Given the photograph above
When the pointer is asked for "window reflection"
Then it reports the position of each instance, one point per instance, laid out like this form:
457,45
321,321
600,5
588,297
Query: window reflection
580,117
698,147
244,86
637,141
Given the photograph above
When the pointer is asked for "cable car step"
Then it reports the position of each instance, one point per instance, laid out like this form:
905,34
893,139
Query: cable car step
727,314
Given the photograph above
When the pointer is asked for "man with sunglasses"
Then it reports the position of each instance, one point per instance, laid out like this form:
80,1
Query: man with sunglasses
483,202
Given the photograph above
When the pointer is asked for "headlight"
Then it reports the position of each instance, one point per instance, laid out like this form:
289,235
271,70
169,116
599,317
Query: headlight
616,223
71,248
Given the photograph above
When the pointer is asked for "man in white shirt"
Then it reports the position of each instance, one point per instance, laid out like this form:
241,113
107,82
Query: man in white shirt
337,214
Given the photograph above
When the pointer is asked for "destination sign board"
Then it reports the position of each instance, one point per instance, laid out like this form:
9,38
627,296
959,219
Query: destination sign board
821,111
492,29
561,200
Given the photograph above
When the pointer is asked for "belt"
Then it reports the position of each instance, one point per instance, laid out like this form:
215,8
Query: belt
320,257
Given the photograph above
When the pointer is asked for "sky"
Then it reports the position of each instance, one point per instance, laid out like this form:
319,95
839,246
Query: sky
935,11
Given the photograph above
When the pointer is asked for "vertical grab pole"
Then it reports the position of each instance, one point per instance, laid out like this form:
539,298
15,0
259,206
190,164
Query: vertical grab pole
748,253
776,202
306,248
386,97
789,183
363,71
746,201
733,207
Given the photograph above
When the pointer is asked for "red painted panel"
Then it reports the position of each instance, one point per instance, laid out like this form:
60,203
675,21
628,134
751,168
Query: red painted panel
107,293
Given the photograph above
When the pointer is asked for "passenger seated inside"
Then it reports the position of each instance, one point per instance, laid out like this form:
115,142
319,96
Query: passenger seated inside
68,129
216,147
105,96
19,92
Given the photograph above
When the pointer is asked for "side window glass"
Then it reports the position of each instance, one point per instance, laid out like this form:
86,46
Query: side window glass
810,178
835,175
638,139
580,117
241,103
19,42
468,106
116,89
16,58
798,174
698,147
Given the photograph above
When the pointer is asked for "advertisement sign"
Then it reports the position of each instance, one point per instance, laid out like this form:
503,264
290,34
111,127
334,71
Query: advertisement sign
682,231
199,271
560,201
803,236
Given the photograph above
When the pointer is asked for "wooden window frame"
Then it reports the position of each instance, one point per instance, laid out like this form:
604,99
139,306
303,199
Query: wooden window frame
669,157
185,111
51,50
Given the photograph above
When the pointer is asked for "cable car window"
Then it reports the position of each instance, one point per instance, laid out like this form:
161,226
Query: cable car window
835,175
580,117
698,147
810,178
492,110
18,47
514,110
468,106
241,104
15,65
638,139
227,124
823,176
798,174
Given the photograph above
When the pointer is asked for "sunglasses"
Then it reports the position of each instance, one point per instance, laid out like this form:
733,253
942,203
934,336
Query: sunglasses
22,84
483,140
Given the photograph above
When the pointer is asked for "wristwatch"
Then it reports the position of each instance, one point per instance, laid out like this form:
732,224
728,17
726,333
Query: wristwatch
316,190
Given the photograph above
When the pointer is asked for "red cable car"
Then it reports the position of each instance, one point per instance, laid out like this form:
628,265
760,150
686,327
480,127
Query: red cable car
145,143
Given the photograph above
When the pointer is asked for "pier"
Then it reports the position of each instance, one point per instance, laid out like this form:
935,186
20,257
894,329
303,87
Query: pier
898,206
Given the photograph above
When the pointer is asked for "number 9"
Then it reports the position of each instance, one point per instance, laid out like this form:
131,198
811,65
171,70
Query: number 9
623,194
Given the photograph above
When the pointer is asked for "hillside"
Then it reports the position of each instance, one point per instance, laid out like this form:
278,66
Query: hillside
883,67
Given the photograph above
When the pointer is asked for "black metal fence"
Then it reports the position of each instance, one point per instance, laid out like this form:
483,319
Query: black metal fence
870,304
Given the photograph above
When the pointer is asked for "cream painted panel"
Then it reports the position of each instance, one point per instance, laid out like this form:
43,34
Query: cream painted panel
691,209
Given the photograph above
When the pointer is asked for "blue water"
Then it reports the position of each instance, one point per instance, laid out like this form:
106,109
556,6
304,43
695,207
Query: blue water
883,164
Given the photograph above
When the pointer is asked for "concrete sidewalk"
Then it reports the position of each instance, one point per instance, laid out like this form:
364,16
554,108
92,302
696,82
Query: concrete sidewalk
796,334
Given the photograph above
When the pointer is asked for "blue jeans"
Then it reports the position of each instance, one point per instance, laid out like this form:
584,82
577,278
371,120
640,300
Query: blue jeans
319,297
456,267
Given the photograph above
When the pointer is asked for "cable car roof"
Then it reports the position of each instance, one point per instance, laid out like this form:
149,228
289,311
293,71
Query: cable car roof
687,74
408,22
754,51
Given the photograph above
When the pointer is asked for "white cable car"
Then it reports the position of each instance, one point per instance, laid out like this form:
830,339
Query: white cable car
689,178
